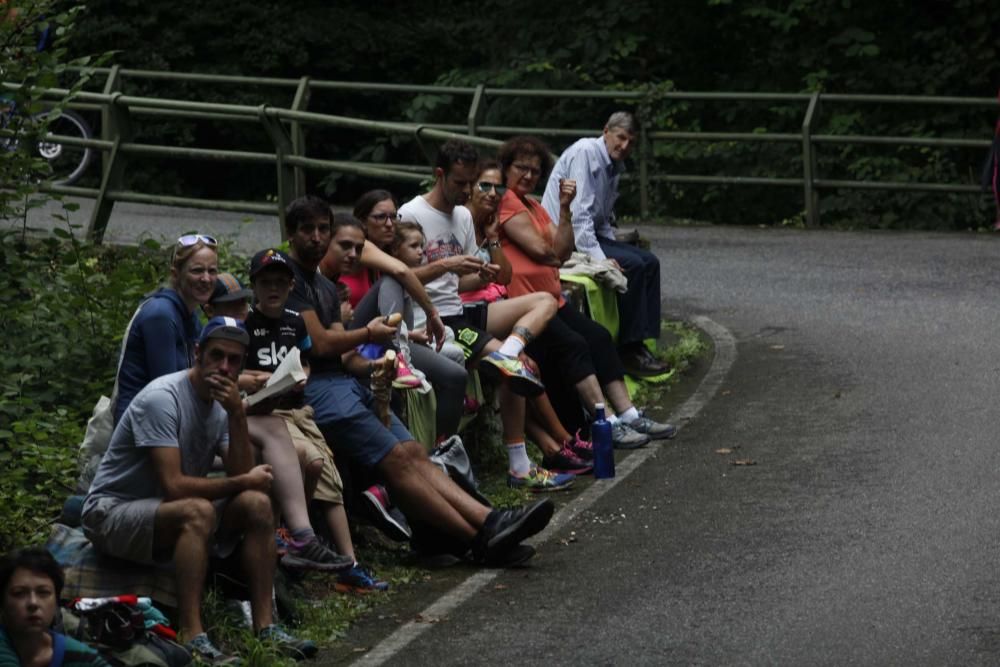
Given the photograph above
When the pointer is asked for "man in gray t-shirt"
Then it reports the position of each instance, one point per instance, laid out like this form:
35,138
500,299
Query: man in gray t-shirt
151,500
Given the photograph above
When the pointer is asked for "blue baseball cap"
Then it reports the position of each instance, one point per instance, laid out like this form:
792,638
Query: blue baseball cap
228,328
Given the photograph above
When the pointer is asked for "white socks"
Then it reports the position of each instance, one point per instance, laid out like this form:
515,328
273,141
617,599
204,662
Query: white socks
512,346
629,415
520,464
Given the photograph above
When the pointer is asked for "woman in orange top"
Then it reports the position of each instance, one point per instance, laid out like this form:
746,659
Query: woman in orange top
573,346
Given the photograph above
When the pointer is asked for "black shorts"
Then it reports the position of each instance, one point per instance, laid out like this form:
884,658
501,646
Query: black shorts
470,338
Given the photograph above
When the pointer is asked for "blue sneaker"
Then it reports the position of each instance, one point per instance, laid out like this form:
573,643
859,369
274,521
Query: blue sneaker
538,480
359,581
523,382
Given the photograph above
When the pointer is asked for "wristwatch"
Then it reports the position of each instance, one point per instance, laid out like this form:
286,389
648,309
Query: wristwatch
493,244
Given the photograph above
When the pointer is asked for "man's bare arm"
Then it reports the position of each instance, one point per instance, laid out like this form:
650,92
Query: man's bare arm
176,485
334,341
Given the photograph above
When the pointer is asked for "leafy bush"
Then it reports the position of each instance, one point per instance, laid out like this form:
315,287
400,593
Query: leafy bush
66,307
839,46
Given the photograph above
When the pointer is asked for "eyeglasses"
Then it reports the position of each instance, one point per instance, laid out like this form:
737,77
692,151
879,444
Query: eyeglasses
485,188
189,240
382,218
527,169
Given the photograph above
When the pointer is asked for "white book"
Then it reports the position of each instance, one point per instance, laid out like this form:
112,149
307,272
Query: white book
288,374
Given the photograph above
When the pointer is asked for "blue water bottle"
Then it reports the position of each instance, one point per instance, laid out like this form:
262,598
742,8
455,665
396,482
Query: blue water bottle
604,451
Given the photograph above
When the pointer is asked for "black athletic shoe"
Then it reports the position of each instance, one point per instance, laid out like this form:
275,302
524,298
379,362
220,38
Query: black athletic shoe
505,529
315,556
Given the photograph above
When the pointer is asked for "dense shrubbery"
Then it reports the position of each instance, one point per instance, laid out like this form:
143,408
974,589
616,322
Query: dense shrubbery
841,46
66,305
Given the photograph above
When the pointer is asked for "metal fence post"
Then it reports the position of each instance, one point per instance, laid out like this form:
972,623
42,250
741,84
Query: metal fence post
643,174
300,103
474,108
112,84
286,173
118,128
809,163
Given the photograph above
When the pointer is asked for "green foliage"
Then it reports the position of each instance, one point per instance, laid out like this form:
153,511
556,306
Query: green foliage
838,46
66,304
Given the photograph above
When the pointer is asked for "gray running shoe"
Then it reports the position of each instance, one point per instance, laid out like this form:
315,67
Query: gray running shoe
625,437
286,644
204,652
654,430
314,556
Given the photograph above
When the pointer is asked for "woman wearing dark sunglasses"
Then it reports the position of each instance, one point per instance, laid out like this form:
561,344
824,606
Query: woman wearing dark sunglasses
562,452
164,329
484,204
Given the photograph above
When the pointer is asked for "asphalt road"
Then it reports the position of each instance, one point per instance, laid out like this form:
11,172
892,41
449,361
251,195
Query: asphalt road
865,534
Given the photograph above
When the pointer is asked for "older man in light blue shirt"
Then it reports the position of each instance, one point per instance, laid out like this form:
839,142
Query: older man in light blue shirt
596,164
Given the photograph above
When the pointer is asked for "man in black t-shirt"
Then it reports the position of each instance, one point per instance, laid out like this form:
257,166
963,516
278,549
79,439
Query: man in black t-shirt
343,407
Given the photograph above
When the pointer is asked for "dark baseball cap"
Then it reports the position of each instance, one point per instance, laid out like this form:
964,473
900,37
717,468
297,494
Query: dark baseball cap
228,289
270,258
228,328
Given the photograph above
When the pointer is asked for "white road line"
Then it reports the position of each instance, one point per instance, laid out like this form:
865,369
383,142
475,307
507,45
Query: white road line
725,355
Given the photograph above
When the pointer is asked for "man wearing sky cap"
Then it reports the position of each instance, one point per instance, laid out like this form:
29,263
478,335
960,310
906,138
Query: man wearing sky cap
151,501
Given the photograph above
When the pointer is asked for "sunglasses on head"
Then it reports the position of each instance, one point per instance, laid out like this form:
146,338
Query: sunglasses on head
189,240
485,188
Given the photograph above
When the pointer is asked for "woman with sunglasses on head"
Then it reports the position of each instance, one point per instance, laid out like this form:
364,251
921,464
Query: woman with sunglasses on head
164,329
573,347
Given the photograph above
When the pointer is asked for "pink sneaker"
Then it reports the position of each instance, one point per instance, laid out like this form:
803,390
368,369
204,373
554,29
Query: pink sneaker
405,379
384,515
580,447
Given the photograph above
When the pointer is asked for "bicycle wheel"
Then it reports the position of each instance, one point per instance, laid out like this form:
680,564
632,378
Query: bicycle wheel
68,162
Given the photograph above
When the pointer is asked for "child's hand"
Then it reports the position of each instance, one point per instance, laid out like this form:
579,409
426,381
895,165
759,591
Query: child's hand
435,327
253,381
419,336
